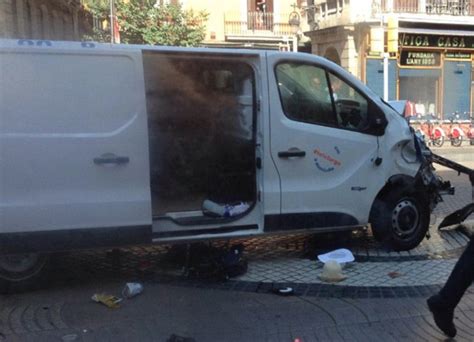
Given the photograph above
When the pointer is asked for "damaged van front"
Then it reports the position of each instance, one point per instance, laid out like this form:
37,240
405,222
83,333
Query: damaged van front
400,214
345,157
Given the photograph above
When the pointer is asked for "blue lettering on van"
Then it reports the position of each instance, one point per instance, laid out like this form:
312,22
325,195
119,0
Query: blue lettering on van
322,158
88,45
337,150
26,42
44,42
321,168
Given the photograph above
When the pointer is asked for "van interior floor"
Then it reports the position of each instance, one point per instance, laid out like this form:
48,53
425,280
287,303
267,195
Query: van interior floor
190,202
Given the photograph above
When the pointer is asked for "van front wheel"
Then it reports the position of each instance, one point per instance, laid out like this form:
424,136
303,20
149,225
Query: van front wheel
20,272
400,219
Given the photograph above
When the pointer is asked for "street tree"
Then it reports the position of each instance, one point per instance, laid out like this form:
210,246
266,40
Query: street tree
149,22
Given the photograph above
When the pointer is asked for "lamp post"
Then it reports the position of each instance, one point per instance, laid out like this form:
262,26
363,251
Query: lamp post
294,21
112,24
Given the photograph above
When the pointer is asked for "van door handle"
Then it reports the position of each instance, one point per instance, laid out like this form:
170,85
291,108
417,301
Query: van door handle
110,158
292,152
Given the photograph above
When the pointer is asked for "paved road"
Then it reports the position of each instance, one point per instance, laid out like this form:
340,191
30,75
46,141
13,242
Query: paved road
463,154
215,315
383,297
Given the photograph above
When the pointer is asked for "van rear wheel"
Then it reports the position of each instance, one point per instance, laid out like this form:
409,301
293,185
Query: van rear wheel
19,272
400,219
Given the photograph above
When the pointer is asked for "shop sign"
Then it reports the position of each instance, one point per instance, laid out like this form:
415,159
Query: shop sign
458,55
428,40
419,58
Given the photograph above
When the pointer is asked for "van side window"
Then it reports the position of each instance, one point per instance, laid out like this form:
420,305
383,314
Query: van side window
351,107
304,93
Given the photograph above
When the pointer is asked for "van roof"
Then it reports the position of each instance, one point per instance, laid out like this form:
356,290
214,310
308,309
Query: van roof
73,45
15,44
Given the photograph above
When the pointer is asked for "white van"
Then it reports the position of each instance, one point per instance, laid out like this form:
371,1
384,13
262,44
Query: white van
105,145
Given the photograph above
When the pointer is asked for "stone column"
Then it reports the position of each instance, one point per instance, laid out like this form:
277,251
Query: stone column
6,19
349,56
57,21
46,22
422,6
20,19
35,20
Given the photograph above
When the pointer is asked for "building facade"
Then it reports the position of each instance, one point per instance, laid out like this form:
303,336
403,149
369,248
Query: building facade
253,23
44,19
433,65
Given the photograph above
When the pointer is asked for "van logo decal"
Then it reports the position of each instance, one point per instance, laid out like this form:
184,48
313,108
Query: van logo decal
322,158
329,169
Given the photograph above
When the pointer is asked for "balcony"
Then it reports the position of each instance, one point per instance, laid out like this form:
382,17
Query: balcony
256,26
329,13
435,7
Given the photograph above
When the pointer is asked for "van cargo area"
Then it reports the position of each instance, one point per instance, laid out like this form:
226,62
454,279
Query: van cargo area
201,122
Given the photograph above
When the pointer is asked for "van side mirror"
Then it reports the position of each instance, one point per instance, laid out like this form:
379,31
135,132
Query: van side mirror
378,121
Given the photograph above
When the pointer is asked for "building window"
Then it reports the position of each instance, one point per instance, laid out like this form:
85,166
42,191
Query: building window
422,91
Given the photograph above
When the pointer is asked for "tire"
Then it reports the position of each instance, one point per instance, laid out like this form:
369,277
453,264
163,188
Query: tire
400,219
456,141
438,142
21,272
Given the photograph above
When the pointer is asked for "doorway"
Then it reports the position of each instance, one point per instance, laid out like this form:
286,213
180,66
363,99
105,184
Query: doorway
201,116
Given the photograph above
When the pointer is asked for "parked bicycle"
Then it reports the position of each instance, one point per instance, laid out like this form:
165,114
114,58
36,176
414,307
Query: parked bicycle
430,130
468,127
453,127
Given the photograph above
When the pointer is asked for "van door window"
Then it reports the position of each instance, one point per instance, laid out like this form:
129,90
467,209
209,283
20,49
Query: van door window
311,94
351,107
304,93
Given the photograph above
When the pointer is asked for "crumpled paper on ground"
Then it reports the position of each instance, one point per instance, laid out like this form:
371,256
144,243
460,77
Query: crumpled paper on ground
110,301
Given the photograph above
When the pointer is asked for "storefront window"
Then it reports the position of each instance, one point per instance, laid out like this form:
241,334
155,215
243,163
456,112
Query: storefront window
422,91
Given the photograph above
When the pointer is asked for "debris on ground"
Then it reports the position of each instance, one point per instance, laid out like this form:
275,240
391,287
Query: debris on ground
332,272
110,301
206,262
176,338
132,289
394,275
284,291
70,337
341,256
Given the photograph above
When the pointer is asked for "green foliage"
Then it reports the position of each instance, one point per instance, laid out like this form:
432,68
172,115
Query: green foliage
142,22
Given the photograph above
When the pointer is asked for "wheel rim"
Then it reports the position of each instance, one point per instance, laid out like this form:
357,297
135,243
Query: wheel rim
16,267
405,218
